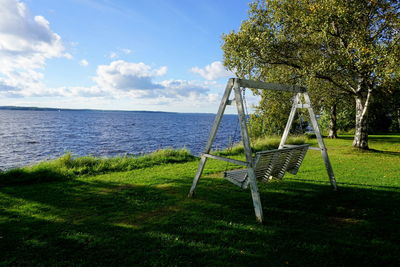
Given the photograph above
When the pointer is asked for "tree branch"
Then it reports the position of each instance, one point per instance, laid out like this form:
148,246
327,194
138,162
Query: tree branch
330,79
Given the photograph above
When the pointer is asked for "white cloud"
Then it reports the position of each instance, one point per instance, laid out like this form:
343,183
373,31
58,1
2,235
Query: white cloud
213,71
117,54
183,88
121,79
113,55
26,42
137,80
126,76
84,62
126,51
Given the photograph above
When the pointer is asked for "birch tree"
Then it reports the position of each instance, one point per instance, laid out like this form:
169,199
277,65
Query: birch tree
353,45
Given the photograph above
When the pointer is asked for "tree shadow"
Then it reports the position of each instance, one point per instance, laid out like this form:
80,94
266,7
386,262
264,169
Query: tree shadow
372,139
24,177
390,139
343,183
384,152
105,223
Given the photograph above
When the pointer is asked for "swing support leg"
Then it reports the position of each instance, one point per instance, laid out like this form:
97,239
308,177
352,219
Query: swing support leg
249,157
321,143
213,133
290,121
296,102
255,195
198,174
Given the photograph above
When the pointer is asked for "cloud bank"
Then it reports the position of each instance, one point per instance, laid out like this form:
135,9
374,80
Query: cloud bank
125,76
213,71
26,42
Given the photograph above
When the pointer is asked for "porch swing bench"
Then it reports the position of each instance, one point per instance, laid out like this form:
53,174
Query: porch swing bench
270,164
266,164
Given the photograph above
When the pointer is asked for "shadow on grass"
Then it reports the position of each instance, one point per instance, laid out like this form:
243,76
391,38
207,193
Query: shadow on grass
102,223
342,183
380,139
23,177
394,138
393,153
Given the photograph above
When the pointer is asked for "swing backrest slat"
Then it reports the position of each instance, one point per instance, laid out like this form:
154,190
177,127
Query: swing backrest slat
271,163
277,162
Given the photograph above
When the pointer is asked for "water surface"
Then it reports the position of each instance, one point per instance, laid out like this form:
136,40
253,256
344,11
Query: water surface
28,137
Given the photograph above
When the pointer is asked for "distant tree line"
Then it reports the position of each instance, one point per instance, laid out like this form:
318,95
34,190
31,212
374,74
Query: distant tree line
346,53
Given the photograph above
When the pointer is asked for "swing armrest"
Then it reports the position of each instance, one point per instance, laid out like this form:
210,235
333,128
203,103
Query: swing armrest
237,177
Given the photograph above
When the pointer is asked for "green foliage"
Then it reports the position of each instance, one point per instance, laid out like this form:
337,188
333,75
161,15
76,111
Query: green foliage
67,166
271,114
345,120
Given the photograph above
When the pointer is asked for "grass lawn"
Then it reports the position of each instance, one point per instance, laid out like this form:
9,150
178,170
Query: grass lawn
142,216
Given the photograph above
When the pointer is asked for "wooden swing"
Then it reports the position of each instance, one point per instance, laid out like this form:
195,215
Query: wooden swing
266,164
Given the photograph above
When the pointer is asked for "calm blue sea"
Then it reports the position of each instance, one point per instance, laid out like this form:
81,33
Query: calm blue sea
27,137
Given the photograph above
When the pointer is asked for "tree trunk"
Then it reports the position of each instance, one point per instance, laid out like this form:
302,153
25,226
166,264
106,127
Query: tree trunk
361,131
333,122
398,119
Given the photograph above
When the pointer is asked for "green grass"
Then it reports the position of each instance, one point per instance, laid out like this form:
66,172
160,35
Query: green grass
68,167
143,217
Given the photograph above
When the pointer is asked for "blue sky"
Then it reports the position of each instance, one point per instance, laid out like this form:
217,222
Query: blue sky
128,55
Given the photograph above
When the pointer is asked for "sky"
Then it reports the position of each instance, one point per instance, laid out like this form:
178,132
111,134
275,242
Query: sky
160,55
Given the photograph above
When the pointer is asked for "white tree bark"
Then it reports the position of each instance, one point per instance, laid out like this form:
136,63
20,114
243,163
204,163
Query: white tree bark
333,123
361,131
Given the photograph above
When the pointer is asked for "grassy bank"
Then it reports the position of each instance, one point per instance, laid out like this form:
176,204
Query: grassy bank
142,216
69,167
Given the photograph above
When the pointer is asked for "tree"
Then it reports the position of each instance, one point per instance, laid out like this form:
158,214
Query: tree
352,45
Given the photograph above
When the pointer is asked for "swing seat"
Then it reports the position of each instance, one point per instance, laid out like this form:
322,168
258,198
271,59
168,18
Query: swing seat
271,163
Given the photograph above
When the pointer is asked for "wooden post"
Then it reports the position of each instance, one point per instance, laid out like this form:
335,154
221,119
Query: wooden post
249,157
290,121
321,143
213,133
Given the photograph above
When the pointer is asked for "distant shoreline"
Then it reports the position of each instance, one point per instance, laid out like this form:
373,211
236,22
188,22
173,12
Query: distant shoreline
101,110
71,109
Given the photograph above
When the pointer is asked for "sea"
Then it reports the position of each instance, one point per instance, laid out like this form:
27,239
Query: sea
31,136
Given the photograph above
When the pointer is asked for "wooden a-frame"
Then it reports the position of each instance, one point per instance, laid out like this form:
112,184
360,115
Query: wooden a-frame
236,84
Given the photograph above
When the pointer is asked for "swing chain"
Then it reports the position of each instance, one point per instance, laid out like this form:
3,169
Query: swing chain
247,114
231,141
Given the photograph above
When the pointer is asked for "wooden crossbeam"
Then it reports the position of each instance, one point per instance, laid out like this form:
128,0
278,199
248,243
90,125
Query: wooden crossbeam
234,161
270,86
